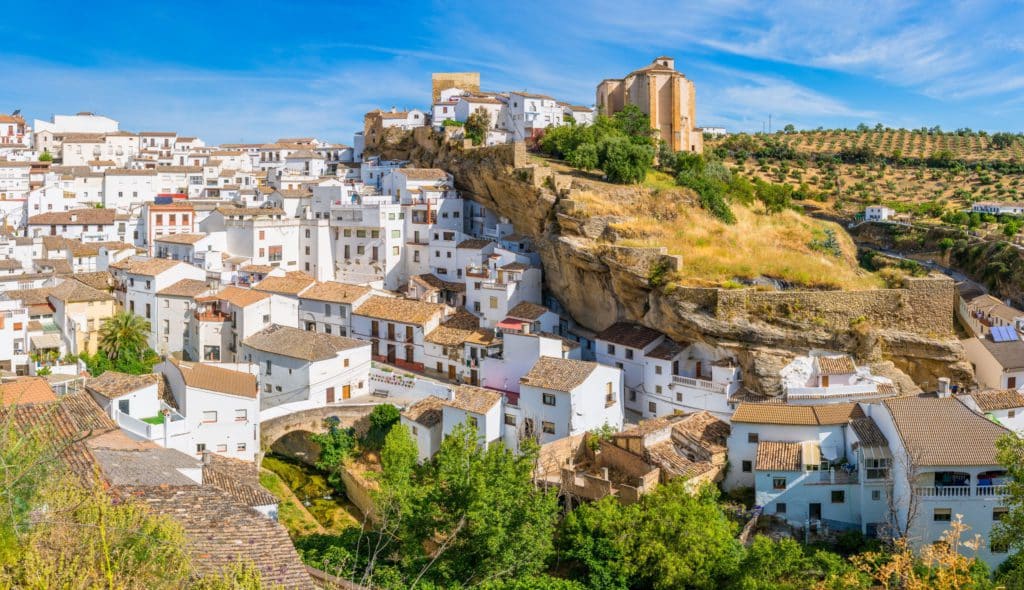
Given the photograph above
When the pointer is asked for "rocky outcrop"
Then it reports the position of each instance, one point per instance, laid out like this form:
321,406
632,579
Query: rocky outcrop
599,283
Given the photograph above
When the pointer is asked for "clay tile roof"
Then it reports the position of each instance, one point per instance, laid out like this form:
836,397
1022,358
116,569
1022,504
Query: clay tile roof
944,432
779,456
827,414
287,285
431,281
424,173
666,350
101,279
998,399
149,267
52,264
185,288
221,532
835,365
91,216
393,309
250,211
218,379
9,264
703,429
427,411
868,432
73,291
30,296
629,334
473,399
134,172
113,384
239,479
335,292
300,344
240,297
527,311
515,266
26,390
558,374
473,244
180,238
462,327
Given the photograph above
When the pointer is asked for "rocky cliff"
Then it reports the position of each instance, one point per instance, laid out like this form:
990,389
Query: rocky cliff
598,283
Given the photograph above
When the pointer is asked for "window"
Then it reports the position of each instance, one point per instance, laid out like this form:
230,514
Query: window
200,448
395,233
942,515
611,349
240,448
876,495
345,363
747,466
778,483
1011,413
548,399
547,427
999,512
780,508
657,389
838,496
222,448
266,364
609,395
124,406
629,353
657,369
632,395
510,420
210,416
652,407
877,468
494,303
263,234
241,415
471,420
752,437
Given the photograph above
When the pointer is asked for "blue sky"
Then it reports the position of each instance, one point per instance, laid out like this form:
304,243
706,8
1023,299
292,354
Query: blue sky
254,71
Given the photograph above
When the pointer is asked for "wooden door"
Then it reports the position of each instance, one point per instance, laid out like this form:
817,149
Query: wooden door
451,372
824,380
1011,383
474,378
346,391
330,395
391,353
696,370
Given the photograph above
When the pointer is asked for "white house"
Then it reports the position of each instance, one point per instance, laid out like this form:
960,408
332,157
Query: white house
997,365
138,281
309,368
562,397
1005,406
327,306
825,377
878,213
397,328
995,208
478,407
130,400
424,421
14,337
220,407
88,225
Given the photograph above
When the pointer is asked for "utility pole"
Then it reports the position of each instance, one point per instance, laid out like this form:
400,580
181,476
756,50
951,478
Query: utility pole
769,122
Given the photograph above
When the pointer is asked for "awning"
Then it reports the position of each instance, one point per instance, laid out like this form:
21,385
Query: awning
511,324
41,341
811,453
875,452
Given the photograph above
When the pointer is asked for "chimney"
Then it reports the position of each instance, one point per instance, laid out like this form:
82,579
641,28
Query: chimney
206,457
943,390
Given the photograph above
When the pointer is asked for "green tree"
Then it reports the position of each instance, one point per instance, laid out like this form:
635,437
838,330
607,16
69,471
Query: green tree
336,446
774,197
382,418
45,157
477,124
635,124
1009,531
124,335
623,161
583,157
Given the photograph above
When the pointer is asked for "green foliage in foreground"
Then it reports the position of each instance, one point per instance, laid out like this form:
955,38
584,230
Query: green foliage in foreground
622,146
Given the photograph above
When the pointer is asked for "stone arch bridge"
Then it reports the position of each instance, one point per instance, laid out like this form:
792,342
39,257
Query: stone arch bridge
313,421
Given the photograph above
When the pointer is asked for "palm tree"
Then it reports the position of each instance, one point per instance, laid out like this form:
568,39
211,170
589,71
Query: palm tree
124,335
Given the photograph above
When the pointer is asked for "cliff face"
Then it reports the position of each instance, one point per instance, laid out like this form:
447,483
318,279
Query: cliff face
599,283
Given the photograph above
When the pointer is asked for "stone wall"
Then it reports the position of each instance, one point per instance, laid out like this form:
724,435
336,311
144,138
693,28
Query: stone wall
358,491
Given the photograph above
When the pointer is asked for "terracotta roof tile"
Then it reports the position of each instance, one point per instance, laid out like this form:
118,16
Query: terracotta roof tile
473,399
113,384
180,238
826,414
73,291
335,292
185,288
868,432
287,285
423,173
240,297
998,399
944,432
779,456
26,390
90,216
427,411
558,374
217,379
300,344
149,267
394,309
835,365
629,334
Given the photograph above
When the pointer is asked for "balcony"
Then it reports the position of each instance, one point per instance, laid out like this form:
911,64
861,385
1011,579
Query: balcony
981,491
212,316
702,384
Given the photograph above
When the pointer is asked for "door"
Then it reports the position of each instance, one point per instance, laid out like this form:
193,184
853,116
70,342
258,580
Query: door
391,353
346,391
451,372
474,378
696,370
815,511
824,380
1011,383
391,331
330,395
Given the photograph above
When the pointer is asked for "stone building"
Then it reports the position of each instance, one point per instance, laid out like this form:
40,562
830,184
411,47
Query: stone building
664,94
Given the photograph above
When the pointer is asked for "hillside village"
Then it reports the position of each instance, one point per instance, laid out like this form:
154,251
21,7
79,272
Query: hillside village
263,290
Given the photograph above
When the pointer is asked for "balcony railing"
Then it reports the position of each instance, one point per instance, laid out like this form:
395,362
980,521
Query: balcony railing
700,384
982,491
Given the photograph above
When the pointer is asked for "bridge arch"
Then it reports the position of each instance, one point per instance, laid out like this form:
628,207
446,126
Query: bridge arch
314,421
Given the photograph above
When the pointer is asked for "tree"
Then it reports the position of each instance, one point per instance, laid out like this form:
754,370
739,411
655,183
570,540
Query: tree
45,156
790,128
1009,531
623,161
477,124
635,124
774,197
124,335
583,157
336,446
382,418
